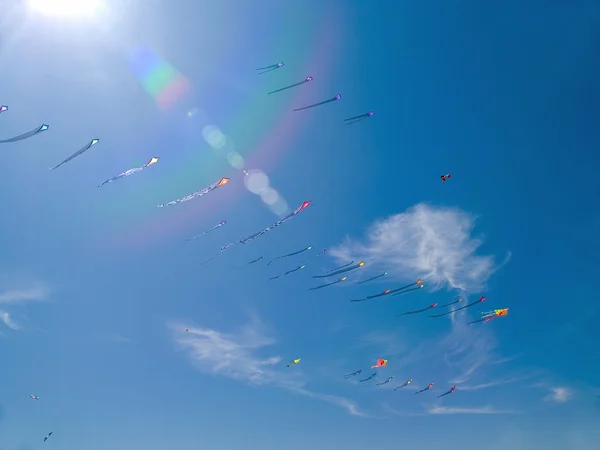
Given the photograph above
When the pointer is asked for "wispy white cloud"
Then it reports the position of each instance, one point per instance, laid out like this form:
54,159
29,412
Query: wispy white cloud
426,242
476,410
240,356
12,296
5,317
560,394
495,383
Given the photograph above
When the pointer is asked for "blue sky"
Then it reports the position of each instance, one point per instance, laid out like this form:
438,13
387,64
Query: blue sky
97,286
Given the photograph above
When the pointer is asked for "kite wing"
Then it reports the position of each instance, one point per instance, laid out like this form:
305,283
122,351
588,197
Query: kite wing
27,135
212,187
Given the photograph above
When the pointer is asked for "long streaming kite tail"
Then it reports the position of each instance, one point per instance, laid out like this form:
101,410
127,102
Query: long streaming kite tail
267,71
372,278
337,97
306,80
27,135
406,291
340,267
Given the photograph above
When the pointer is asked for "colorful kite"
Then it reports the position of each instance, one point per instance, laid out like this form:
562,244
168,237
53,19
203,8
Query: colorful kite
3,108
386,381
27,135
449,392
373,278
433,305
446,177
458,309
400,289
271,68
288,272
367,379
426,389
293,362
451,303
491,315
152,161
306,80
212,187
337,272
47,436
351,120
337,97
34,397
78,152
219,225
404,385
380,363
289,254
353,374
328,284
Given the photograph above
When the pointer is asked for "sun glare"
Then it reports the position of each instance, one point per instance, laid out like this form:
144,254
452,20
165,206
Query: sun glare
67,8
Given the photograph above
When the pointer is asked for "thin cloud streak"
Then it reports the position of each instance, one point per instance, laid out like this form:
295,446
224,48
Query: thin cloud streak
24,295
237,356
476,410
7,319
559,394
433,243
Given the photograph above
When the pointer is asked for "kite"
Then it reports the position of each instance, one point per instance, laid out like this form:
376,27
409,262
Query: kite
304,205
328,284
491,315
404,385
187,329
289,254
351,120
446,177
293,362
367,379
340,267
353,374
47,436
288,272
306,80
3,108
34,397
373,278
449,392
380,363
458,309
451,303
386,381
78,152
318,254
27,135
409,290
256,260
337,272
152,161
381,294
433,305
390,291
426,389
337,97
219,225
212,187
271,68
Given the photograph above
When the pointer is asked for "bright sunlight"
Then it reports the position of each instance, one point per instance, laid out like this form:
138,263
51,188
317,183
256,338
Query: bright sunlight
67,8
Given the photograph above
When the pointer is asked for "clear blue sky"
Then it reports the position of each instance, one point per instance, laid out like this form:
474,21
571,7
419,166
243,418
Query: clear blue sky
97,286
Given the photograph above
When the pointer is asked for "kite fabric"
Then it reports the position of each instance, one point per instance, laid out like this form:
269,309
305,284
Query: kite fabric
271,68
351,120
27,135
452,303
289,254
306,80
288,272
491,315
339,280
417,311
373,278
458,309
447,393
219,225
404,385
212,187
425,389
78,152
3,108
353,374
373,375
380,363
337,97
293,362
337,272
47,436
386,381
34,397
446,177
152,161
